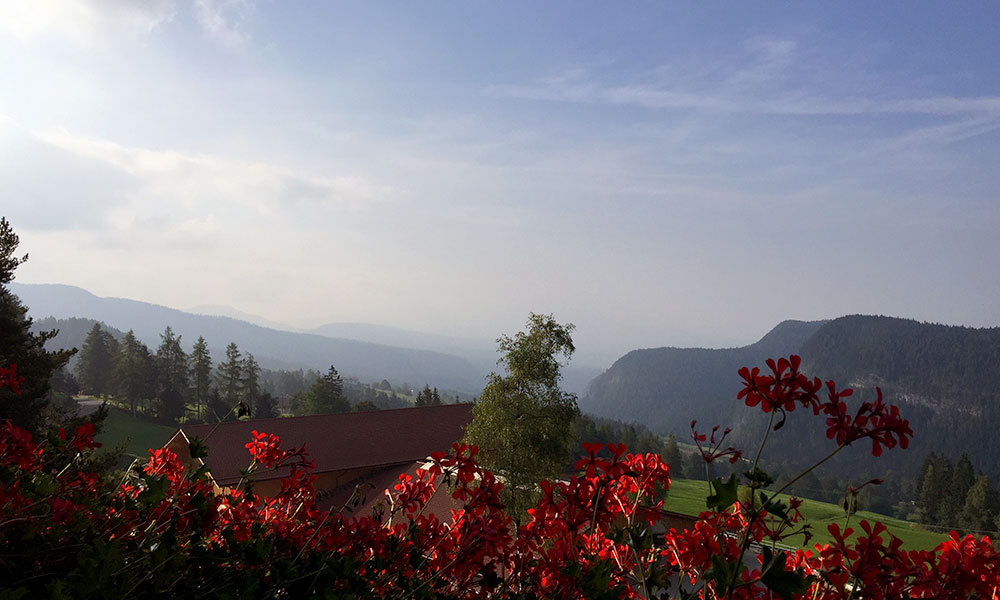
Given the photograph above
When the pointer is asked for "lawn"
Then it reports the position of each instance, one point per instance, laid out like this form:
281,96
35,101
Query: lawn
137,435
688,497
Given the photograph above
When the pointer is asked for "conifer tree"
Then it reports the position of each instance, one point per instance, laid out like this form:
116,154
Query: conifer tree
134,371
201,374
19,346
265,406
325,395
96,366
673,457
963,476
229,377
933,488
428,397
980,509
172,371
251,380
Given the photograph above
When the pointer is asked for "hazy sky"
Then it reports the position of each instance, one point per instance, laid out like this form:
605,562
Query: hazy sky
683,173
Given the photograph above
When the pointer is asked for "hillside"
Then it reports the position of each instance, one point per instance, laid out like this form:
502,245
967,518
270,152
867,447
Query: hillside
664,388
272,348
939,375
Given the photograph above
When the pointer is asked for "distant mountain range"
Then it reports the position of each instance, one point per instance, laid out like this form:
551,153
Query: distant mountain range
271,347
369,352
943,378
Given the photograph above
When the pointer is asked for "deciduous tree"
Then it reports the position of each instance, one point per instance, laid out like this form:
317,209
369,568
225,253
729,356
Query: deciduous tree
522,422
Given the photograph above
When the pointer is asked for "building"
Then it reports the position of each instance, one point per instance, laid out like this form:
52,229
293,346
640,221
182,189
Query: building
364,451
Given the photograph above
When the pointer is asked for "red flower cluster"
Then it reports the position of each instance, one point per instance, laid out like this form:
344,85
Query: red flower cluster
168,530
877,421
10,379
786,387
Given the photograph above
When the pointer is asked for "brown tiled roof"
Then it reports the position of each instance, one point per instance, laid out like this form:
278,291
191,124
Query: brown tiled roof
371,491
340,441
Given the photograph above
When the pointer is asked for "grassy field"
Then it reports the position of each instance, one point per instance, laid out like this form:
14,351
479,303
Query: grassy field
688,497
136,434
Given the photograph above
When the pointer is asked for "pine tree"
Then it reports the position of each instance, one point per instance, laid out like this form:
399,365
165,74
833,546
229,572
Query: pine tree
673,457
96,366
19,346
325,396
334,380
265,406
933,488
251,380
172,371
980,510
201,374
963,477
229,377
134,371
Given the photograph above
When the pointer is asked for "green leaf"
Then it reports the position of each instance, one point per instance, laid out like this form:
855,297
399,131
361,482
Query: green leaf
198,447
786,584
757,478
725,493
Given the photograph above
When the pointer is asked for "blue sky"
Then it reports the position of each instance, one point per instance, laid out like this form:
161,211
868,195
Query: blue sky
658,174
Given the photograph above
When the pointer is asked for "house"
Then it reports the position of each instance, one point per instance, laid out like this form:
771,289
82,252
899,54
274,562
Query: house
362,450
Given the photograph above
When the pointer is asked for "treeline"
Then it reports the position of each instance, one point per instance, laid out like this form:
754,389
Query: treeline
956,496
173,385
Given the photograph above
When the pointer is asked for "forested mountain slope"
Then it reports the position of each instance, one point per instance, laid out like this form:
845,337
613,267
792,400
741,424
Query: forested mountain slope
942,377
272,348
664,388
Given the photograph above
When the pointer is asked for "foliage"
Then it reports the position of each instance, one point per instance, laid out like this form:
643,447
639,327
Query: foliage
134,371
251,380
522,421
228,380
428,397
96,365
265,406
945,376
163,533
20,346
325,395
201,374
172,377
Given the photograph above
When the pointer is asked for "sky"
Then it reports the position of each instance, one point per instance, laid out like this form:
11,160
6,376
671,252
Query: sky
682,174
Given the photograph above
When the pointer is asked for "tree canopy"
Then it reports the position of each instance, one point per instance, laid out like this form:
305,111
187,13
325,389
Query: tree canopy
19,346
522,421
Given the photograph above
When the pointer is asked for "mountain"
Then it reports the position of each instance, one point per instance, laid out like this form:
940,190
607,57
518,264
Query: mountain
664,388
942,377
218,310
272,348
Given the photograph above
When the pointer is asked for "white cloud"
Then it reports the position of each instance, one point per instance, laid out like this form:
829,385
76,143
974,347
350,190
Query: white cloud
224,21
177,179
767,76
83,22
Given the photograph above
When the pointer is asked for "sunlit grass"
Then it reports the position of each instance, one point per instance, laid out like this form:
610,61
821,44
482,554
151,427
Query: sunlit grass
687,497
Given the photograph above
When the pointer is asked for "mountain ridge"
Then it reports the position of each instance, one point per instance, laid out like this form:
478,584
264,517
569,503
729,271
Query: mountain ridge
272,348
941,376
